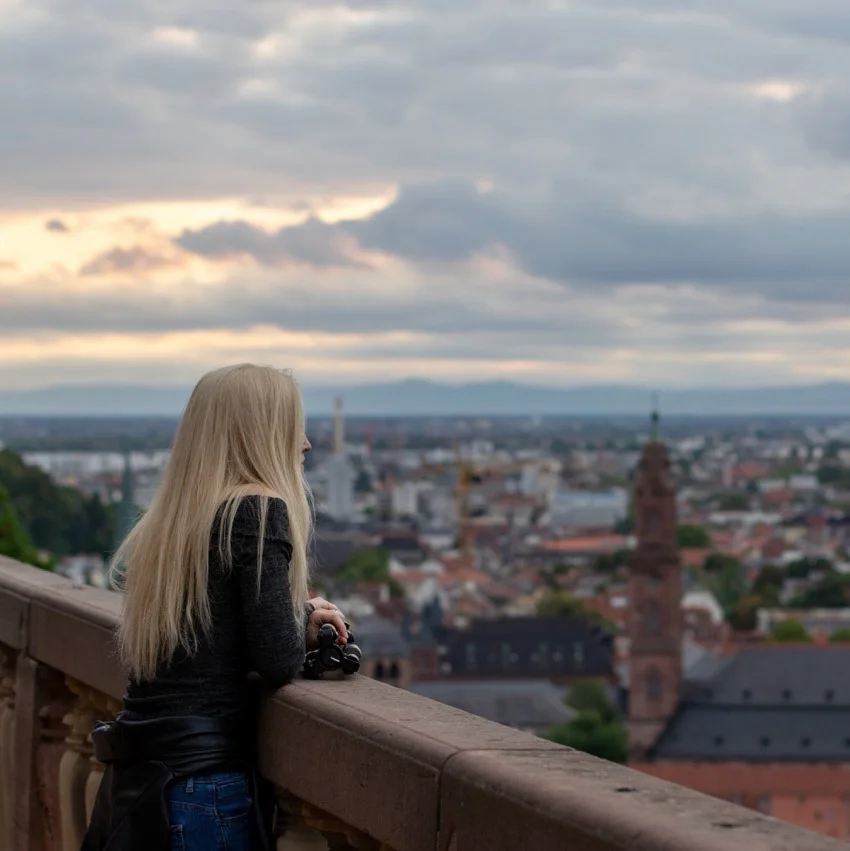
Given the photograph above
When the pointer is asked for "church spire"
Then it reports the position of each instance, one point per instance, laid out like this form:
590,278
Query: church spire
655,598
655,418
127,509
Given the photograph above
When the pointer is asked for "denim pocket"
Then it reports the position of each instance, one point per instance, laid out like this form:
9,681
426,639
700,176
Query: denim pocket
177,842
233,799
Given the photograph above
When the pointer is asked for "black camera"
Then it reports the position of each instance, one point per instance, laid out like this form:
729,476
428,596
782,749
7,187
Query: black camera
330,657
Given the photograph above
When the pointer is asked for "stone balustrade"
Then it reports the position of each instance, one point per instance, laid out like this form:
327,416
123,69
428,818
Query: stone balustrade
357,764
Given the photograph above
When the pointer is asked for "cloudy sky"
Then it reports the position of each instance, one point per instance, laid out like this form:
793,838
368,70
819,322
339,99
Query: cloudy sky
554,192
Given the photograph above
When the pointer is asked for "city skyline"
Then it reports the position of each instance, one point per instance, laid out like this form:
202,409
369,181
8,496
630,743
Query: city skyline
619,193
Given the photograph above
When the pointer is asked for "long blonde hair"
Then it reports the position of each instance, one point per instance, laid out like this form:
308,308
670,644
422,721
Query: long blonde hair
242,433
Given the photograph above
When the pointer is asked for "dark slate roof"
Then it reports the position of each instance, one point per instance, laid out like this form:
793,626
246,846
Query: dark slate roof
765,703
779,676
756,733
531,647
525,704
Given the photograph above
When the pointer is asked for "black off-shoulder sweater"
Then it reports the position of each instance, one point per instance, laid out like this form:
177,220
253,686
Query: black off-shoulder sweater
253,629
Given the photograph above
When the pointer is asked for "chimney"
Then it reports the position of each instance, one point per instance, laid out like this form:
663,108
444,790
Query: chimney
339,427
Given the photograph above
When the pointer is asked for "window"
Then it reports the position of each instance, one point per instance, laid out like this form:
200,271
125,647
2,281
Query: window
652,523
746,694
806,742
829,695
786,694
379,671
578,655
719,740
395,673
765,741
764,804
653,686
652,622
470,656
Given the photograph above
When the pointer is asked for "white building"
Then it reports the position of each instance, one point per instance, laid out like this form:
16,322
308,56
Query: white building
339,487
589,509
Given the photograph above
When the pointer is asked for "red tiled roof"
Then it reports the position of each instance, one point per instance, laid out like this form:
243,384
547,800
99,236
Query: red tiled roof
588,543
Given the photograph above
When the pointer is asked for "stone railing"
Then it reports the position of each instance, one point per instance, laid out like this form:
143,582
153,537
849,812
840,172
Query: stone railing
357,764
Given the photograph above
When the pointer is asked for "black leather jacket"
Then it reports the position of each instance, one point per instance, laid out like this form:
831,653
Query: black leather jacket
143,757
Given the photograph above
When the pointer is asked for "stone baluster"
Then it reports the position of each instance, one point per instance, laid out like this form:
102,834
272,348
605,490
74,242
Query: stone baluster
339,835
106,709
292,830
50,752
7,738
75,767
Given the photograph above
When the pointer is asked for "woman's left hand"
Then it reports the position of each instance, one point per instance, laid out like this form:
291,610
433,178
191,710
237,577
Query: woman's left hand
325,612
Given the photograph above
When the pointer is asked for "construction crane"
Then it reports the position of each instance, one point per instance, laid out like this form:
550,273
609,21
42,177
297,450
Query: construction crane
470,472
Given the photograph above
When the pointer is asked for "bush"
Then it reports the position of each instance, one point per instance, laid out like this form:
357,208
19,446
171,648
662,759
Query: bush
744,616
589,733
789,630
841,636
693,536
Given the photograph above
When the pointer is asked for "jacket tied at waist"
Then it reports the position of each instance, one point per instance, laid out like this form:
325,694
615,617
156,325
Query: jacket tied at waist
143,757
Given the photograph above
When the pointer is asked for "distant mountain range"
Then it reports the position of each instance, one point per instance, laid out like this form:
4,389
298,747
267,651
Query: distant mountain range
417,397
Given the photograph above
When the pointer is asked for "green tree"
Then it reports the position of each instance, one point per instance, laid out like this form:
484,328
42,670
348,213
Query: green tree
368,565
610,562
557,603
588,695
588,732
833,474
841,636
734,502
715,562
768,584
14,541
789,630
692,535
58,519
744,615
831,592
728,582
801,568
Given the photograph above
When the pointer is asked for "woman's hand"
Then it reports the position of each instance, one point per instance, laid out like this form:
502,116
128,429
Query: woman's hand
325,612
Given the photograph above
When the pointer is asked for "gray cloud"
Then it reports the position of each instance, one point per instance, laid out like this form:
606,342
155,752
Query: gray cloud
117,260
56,225
622,137
782,257
313,243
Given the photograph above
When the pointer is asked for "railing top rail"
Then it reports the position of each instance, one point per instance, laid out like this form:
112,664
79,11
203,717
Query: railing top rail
415,774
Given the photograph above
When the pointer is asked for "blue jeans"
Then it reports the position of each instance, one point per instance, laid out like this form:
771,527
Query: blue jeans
211,812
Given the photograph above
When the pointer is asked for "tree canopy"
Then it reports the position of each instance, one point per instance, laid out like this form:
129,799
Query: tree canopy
734,502
58,519
14,541
560,603
597,729
841,636
789,630
830,592
693,536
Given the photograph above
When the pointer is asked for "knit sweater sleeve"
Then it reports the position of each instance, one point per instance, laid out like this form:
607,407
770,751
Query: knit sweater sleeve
274,638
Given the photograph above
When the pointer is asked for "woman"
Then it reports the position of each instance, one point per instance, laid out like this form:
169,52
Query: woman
215,592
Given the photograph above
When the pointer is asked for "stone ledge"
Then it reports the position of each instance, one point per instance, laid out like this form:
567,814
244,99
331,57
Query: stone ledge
570,800
413,773
380,744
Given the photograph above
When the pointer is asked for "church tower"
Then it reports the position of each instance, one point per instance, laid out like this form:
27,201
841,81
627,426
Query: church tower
655,597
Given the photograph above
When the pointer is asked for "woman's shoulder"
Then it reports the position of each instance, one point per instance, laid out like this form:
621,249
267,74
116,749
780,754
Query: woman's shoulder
249,510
